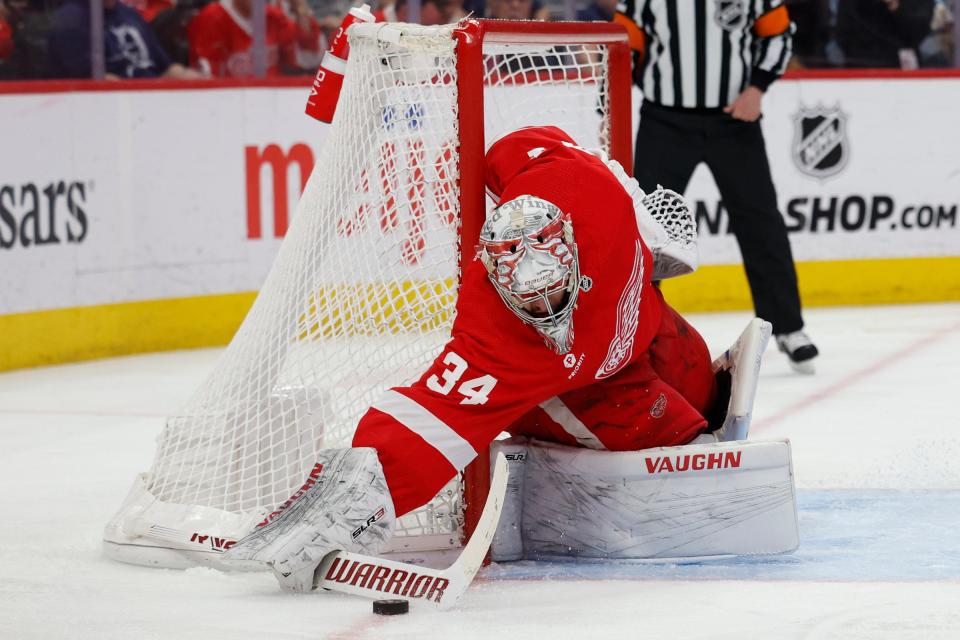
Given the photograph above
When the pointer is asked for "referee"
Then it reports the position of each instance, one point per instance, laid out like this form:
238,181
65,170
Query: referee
703,66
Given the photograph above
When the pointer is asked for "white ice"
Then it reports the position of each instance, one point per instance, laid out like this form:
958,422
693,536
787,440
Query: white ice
876,441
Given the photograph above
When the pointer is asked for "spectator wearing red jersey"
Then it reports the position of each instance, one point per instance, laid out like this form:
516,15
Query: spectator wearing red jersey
221,38
391,11
311,40
6,37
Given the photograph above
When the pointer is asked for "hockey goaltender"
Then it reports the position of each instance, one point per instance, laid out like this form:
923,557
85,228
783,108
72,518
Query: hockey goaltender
628,442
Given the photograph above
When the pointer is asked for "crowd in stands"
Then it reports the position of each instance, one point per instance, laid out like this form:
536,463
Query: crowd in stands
45,39
905,34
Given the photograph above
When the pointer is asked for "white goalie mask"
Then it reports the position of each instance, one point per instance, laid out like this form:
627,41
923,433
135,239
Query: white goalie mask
528,249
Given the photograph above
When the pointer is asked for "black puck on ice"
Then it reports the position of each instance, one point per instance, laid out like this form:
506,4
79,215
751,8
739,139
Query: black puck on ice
391,607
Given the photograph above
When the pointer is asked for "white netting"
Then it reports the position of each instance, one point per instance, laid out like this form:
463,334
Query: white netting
362,293
539,84
675,247
673,212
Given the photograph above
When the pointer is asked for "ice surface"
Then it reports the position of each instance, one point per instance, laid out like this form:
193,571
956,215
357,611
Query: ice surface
876,439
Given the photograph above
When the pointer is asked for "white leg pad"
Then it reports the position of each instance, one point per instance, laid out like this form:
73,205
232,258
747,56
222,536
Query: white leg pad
669,503
507,542
742,362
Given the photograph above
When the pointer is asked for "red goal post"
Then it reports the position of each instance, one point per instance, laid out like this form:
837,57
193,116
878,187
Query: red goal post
471,36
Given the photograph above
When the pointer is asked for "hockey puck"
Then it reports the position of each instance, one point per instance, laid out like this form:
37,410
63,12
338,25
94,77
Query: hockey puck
391,607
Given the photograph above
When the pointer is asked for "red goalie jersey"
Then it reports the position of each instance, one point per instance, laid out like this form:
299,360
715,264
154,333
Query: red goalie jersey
636,376
221,38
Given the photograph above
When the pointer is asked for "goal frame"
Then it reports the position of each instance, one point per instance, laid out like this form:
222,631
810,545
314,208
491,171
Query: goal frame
149,528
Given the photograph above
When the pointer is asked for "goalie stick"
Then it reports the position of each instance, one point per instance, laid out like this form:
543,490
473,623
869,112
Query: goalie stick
376,578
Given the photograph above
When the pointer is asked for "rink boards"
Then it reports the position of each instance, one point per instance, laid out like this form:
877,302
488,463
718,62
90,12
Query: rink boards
144,220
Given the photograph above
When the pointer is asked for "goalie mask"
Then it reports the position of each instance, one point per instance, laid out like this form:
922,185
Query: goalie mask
528,249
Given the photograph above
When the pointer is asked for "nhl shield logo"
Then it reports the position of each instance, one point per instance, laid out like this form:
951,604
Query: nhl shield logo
820,146
729,15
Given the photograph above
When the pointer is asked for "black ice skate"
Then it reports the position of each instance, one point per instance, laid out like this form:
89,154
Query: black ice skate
799,349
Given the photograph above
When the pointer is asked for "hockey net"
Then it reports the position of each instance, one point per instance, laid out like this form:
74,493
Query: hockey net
361,295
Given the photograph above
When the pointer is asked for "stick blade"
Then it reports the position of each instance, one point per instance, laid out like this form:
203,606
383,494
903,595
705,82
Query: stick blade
377,578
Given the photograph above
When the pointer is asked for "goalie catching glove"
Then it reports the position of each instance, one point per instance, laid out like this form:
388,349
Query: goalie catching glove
344,506
666,224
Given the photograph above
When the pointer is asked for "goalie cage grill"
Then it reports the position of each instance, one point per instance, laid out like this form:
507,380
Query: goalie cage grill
361,295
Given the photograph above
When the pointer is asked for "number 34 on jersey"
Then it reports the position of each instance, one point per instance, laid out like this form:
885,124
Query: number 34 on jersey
474,390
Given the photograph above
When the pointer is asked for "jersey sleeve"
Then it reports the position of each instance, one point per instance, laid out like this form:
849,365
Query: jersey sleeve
626,15
485,377
426,432
773,46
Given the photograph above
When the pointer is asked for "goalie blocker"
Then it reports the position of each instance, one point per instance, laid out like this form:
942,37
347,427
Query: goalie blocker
695,501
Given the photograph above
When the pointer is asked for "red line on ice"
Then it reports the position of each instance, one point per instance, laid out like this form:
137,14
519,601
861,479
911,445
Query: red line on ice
855,377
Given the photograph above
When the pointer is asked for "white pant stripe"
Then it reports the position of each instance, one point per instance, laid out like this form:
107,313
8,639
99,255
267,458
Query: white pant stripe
437,433
562,415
